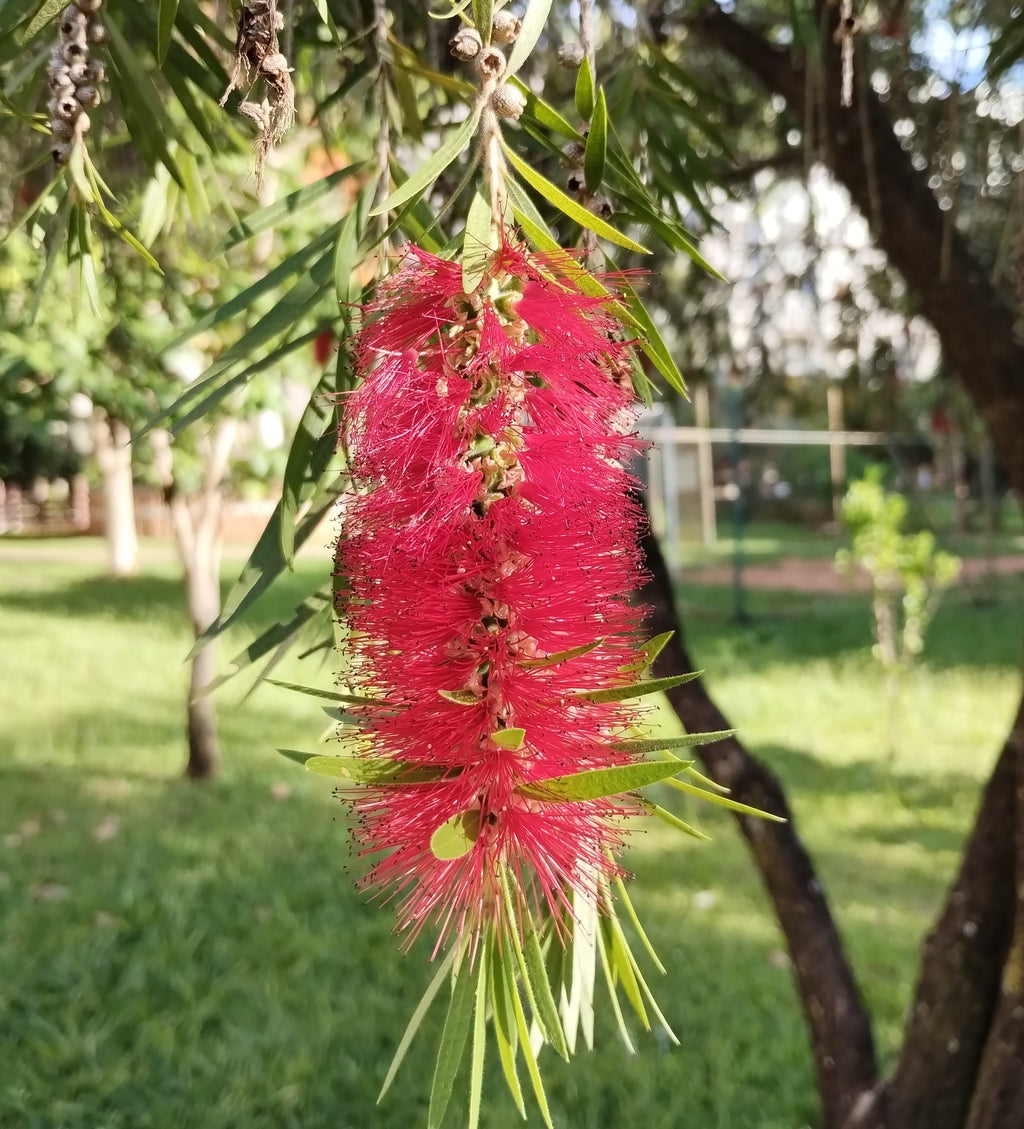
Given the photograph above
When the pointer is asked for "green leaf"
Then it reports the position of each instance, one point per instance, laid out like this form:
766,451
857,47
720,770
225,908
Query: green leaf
456,836
724,801
650,651
453,1042
542,1000
661,744
638,689
585,90
49,10
431,169
483,15
622,968
602,948
505,1032
166,12
460,697
562,656
627,901
509,738
417,1018
524,1042
286,208
534,19
672,820
329,695
476,1068
369,769
477,241
545,115
570,207
593,783
597,145
653,344
706,781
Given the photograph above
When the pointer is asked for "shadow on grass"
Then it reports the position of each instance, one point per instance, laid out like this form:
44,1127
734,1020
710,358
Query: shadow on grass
152,597
197,955
790,627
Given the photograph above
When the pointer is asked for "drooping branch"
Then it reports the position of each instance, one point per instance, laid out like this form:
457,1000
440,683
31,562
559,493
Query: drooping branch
841,1038
974,323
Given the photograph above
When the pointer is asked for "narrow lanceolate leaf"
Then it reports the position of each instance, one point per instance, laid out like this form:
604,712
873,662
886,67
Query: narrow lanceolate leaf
460,697
417,1018
597,145
456,836
570,207
330,695
597,782
509,738
476,1062
483,14
528,1055
644,745
562,656
672,820
638,689
585,90
369,770
724,801
506,1034
166,12
476,242
534,19
453,1042
609,979
543,1000
47,12
285,208
431,169
634,917
650,651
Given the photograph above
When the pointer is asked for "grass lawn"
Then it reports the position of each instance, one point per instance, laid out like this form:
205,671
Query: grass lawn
178,955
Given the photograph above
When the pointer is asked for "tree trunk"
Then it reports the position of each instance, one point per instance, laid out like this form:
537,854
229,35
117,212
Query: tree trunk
197,536
841,1037
112,440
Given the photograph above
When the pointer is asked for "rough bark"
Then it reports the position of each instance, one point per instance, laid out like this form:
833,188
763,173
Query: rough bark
112,442
961,963
840,1030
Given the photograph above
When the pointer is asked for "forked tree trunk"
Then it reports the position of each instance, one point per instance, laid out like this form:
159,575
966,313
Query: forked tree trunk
112,442
196,524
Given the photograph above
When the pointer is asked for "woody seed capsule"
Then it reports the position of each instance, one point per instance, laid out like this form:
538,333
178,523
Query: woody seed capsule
490,63
465,44
508,101
505,27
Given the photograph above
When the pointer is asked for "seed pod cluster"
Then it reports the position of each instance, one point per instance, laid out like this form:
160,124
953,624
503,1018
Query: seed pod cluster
489,61
74,78
573,156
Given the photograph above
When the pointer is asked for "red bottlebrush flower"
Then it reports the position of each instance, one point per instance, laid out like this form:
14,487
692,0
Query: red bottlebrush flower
492,528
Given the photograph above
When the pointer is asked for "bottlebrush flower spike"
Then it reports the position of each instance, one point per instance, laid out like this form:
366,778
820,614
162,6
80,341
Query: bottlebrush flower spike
496,528
489,549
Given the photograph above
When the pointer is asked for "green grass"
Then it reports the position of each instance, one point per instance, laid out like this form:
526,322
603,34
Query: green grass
177,955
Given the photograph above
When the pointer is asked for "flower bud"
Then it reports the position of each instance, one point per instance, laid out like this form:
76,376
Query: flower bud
508,101
570,55
505,27
490,63
465,44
